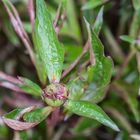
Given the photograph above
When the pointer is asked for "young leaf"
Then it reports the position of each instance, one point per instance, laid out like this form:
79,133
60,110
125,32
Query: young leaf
98,22
91,4
46,42
37,115
75,88
30,87
99,74
86,109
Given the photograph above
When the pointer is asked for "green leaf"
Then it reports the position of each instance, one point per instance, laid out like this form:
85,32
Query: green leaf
127,38
99,74
99,21
75,88
41,69
46,43
20,85
37,115
30,115
86,109
12,119
13,114
91,4
30,87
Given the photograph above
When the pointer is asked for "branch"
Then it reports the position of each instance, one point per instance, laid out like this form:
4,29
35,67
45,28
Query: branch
76,61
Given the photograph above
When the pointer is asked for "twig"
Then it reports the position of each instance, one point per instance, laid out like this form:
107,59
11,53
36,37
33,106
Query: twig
18,20
17,24
31,12
92,57
11,86
63,17
16,136
10,82
76,61
8,78
84,65
57,15
59,133
21,101
138,61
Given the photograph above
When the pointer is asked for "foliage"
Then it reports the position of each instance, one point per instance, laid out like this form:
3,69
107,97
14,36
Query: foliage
67,79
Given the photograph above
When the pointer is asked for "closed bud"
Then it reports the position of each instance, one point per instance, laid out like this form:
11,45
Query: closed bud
55,94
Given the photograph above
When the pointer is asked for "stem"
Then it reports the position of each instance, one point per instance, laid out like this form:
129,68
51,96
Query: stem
57,15
84,65
31,12
59,133
18,27
138,61
76,61
126,62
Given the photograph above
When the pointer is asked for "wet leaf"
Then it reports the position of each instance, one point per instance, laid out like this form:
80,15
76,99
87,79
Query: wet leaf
46,42
41,69
76,89
86,109
99,74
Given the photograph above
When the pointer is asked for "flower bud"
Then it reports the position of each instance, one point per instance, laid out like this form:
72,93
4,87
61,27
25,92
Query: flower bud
55,94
